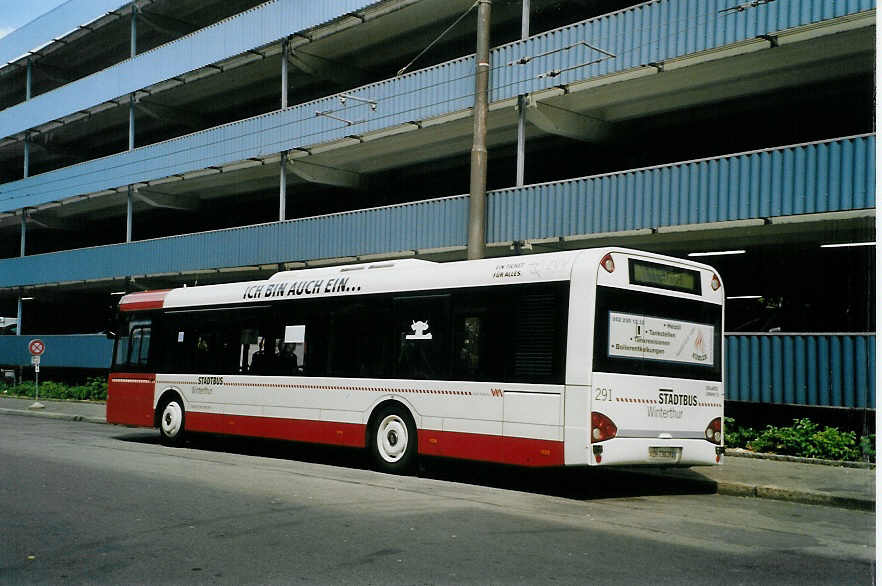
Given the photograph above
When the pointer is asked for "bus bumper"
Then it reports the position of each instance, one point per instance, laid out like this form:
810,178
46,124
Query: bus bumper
654,452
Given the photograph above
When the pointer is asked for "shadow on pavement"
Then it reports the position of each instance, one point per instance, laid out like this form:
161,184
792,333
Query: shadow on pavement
578,483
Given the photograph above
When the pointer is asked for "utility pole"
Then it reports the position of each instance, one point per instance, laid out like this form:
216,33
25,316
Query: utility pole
133,51
478,180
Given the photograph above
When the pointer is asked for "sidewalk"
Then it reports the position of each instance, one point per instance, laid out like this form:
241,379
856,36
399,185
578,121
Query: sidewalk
837,486
64,410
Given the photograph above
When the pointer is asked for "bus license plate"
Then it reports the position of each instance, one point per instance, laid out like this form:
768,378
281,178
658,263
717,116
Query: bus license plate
664,453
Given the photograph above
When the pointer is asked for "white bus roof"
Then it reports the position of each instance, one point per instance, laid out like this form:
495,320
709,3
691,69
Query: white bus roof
378,277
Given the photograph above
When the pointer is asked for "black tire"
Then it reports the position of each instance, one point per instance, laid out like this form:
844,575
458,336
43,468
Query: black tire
171,417
392,440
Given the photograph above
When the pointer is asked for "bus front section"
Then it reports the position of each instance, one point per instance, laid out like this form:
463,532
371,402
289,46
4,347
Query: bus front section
656,393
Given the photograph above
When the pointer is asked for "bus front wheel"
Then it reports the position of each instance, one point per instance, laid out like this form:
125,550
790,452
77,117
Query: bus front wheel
393,440
171,423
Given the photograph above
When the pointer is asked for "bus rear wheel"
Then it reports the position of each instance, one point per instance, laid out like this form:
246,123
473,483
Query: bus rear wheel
171,422
393,440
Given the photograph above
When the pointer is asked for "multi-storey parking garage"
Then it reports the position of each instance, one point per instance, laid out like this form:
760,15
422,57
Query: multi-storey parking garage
154,144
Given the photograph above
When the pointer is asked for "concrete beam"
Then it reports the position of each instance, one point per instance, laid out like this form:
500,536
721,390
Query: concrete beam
166,24
57,74
556,120
326,69
41,220
170,113
325,175
43,142
157,199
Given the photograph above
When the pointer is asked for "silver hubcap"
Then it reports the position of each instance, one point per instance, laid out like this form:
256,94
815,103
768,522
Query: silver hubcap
392,438
172,418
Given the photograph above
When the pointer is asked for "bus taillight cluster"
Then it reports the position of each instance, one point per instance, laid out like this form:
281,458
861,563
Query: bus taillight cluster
602,427
714,431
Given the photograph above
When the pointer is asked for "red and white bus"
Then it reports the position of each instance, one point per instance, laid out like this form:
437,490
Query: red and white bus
592,357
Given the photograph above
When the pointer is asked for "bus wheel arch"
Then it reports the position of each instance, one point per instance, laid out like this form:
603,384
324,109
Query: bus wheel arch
392,437
169,418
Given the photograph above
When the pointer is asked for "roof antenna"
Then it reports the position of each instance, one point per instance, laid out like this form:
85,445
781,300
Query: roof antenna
438,38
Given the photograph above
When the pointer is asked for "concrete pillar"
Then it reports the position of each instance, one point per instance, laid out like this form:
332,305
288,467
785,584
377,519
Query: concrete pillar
24,224
283,185
283,161
130,213
522,102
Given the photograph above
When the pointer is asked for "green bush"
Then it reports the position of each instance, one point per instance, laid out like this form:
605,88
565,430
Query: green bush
804,438
737,436
94,389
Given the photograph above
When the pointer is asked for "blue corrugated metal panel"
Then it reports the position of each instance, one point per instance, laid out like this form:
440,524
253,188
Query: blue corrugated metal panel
77,351
52,25
651,32
253,28
255,137
832,370
427,224
420,95
750,185
644,198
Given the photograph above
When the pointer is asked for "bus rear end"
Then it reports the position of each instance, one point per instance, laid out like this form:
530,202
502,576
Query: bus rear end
656,394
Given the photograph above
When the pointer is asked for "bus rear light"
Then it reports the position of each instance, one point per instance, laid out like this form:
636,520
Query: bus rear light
714,431
715,283
602,427
607,263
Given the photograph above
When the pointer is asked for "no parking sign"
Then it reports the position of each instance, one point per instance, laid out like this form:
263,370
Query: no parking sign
36,347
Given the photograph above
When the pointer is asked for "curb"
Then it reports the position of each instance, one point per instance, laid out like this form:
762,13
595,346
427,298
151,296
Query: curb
794,496
52,415
740,453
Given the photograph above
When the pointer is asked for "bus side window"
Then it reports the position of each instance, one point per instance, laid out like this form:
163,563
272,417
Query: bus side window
293,351
468,334
355,338
423,324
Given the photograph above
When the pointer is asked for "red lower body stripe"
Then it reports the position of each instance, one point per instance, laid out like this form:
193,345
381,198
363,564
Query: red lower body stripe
467,446
518,451
131,403
298,430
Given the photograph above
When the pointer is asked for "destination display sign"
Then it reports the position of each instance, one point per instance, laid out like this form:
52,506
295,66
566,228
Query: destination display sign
664,276
654,338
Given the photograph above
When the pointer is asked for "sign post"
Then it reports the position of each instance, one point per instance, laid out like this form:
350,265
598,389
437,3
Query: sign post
36,347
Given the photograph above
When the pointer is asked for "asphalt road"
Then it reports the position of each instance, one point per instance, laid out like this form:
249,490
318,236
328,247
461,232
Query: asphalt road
93,503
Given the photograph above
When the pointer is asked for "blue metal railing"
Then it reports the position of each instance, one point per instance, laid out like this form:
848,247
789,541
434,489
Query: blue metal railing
55,23
832,370
758,184
800,179
259,26
658,30
72,351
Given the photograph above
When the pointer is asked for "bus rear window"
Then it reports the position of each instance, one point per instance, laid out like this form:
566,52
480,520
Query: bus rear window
657,335
652,274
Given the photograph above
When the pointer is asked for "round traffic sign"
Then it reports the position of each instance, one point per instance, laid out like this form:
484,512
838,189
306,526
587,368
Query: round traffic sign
36,347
